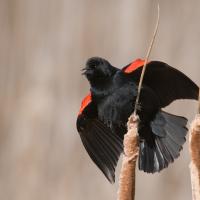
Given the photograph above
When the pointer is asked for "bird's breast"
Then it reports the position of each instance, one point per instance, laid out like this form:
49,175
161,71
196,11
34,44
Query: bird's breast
116,107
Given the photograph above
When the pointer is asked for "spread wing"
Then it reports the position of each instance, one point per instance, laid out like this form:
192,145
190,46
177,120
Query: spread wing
103,146
167,82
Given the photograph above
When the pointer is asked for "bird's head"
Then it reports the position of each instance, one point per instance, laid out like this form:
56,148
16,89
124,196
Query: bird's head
98,70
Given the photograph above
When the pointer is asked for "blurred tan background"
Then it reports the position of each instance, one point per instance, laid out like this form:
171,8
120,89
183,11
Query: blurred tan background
43,46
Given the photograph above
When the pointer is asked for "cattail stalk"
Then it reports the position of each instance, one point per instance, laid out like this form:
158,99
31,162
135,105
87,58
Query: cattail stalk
195,155
127,175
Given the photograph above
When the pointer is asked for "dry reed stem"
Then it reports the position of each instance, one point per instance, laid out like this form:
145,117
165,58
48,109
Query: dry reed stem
195,156
146,60
127,175
199,103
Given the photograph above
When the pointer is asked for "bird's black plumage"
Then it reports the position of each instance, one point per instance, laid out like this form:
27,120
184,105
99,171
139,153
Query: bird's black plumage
104,113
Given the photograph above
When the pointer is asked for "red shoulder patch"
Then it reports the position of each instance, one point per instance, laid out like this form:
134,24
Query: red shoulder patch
134,65
85,103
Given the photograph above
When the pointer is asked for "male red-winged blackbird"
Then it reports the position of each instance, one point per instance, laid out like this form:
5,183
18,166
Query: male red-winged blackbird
104,113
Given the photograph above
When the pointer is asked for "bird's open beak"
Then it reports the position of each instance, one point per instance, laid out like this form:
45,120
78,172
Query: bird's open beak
85,68
86,71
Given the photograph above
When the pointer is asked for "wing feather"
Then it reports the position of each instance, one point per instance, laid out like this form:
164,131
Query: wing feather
167,82
103,146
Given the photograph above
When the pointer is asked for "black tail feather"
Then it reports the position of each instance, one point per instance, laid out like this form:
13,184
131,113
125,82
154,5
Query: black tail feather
169,133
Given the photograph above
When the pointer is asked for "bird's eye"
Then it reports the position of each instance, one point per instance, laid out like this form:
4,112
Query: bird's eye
93,66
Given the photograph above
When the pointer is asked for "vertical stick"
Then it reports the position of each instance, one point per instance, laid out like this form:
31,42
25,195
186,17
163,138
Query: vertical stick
146,61
199,102
195,155
127,175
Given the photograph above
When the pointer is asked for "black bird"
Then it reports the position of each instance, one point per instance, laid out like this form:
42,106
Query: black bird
104,113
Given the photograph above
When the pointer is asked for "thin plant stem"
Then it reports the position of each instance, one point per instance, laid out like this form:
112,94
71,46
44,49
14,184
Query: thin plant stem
146,61
126,189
